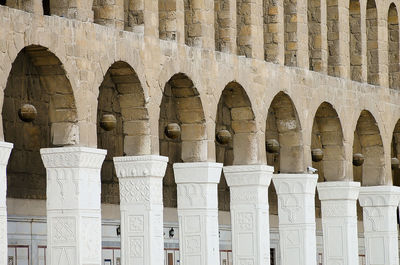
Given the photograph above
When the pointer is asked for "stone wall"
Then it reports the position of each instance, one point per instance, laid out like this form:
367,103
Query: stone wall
173,82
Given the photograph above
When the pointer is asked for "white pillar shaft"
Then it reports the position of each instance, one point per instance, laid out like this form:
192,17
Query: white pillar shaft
339,221
198,212
296,210
249,213
73,205
380,224
5,150
141,204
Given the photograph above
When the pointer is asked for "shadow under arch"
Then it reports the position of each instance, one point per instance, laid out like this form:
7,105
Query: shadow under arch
283,125
37,77
121,95
181,105
327,135
395,153
368,142
235,115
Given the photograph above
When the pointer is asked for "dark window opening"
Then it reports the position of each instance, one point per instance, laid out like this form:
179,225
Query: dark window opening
3,2
46,7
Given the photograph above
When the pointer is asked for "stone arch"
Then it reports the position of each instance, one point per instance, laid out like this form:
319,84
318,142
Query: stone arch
283,125
355,40
121,94
181,104
327,135
393,47
235,115
271,24
372,43
167,19
314,35
37,77
333,37
368,142
290,32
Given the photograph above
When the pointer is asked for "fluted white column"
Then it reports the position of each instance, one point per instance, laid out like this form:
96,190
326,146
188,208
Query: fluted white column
198,212
380,224
141,205
249,213
339,221
73,205
296,210
5,150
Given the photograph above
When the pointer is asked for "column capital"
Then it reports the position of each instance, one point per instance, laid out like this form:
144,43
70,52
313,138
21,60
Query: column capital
378,196
338,190
197,172
295,183
140,166
248,175
73,157
5,152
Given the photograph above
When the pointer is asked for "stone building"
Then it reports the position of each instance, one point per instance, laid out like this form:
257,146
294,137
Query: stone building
160,124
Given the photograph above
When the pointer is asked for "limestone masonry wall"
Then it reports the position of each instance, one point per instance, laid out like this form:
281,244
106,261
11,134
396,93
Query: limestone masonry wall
308,74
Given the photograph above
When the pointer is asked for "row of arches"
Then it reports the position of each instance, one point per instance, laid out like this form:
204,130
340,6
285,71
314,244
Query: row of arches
234,25
38,78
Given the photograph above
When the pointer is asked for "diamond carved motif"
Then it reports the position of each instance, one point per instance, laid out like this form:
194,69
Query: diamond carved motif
136,247
63,229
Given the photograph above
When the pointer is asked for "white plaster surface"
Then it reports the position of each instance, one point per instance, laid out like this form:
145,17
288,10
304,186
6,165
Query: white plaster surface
249,213
380,224
198,212
296,211
141,204
73,213
5,150
339,221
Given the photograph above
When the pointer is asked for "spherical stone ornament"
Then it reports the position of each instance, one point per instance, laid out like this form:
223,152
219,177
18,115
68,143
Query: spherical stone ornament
358,159
317,155
395,162
172,130
108,122
272,146
27,113
224,137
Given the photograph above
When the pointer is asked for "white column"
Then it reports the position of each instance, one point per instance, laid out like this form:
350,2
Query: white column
141,204
249,213
5,150
296,210
198,212
73,205
339,221
380,224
